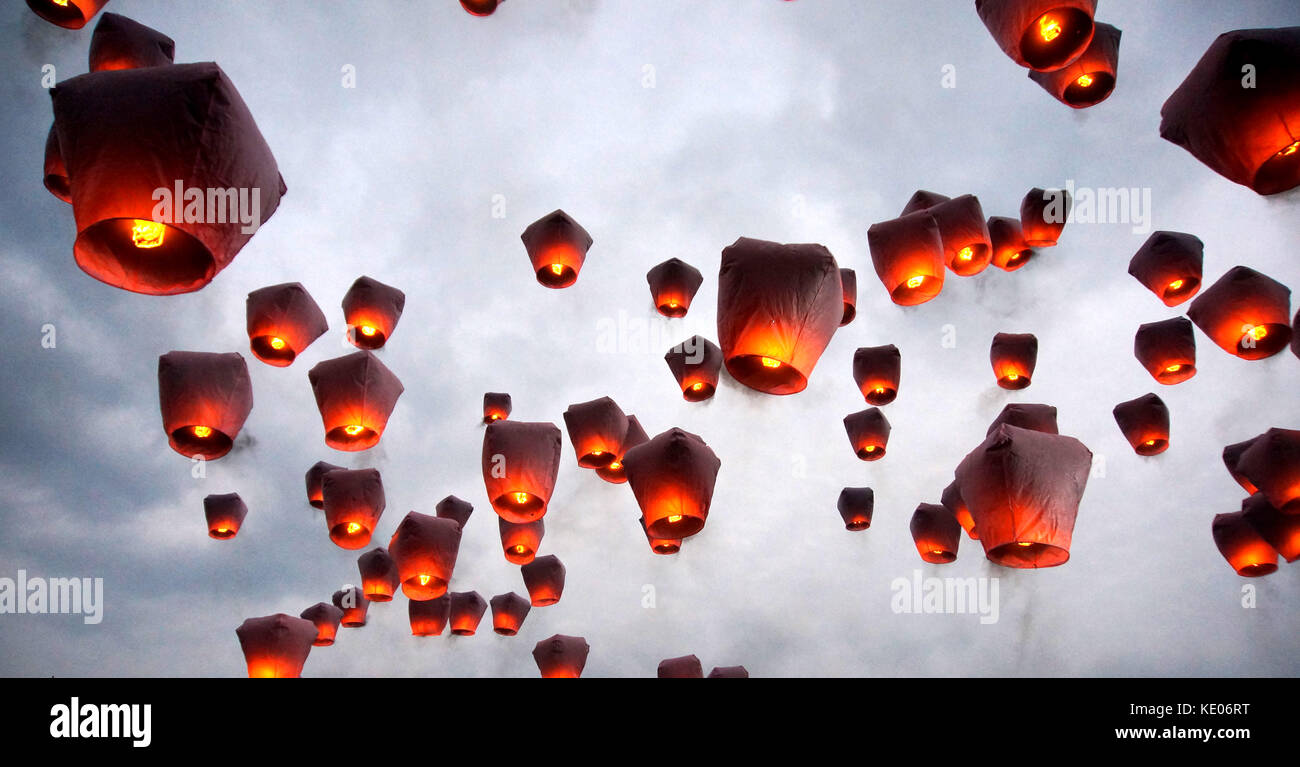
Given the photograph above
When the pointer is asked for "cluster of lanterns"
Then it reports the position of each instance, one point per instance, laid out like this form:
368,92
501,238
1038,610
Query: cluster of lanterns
1267,467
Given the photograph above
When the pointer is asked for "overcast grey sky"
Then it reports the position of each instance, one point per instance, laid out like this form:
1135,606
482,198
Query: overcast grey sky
799,122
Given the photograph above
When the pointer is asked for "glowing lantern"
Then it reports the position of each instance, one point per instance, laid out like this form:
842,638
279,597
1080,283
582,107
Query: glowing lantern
1239,108
672,477
508,613
952,501
428,617
1043,215
56,173
1167,349
1241,544
353,500
876,370
496,406
967,246
672,286
425,550
1010,251
1043,35
664,546
120,43
466,610
855,506
315,475
354,606
936,533
276,646
205,399
685,667
868,432
614,472
378,575
1169,265
561,657
69,14
696,364
1089,79
355,393
922,200
908,255
455,509
1014,356
225,513
520,542
1281,531
544,579
849,289
729,672
596,429
1023,489
520,463
1245,313
1145,424
325,617
557,246
480,7
372,310
1232,454
1272,464
778,306
1026,416
180,128
282,320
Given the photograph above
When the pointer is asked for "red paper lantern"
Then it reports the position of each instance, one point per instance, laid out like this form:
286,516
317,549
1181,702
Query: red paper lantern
561,657
372,310
353,500
967,247
1043,35
1089,79
428,617
868,432
225,513
315,476
952,501
876,371
276,646
325,617
56,173
1043,215
378,575
856,505
1240,543
455,509
1245,313
1145,424
354,606
685,667
425,550
520,463
355,394
508,613
1167,349
1010,251
69,14
673,285
205,399
696,364
936,532
282,320
1272,464
908,255
520,542
120,43
1281,531
596,429
729,672
480,7
1169,265
672,477
614,471
663,546
496,406
544,579
1014,356
849,290
467,609
557,247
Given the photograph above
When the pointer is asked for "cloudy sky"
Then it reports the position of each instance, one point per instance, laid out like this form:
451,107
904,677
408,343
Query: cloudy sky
667,128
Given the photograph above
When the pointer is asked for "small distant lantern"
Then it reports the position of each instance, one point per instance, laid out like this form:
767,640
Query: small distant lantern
856,505
729,672
672,477
354,606
876,371
69,14
1089,79
276,646
1026,416
967,246
849,290
1043,35
121,43
1281,531
673,285
1272,464
378,575
325,617
696,364
1145,424
685,667
1169,265
1240,543
467,609
56,173
520,463
315,477
355,394
868,432
936,532
1232,454
1043,215
544,579
662,546
353,501
520,542
425,550
508,613
614,472
1245,313
282,320
372,310
922,200
225,513
455,509
561,657
205,399
428,617
908,255
1010,251
557,246
596,429
480,7
952,501
496,406
1014,356
1167,349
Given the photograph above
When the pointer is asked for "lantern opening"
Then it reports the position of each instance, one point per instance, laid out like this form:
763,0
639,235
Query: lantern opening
666,547
673,526
1260,341
1180,288
1028,554
1279,172
556,271
1083,81
881,395
697,391
272,348
525,507
201,440
1056,38
857,524
871,452
1152,446
672,307
144,256
350,535
424,585
352,437
1097,87
1257,569
597,459
222,533
767,374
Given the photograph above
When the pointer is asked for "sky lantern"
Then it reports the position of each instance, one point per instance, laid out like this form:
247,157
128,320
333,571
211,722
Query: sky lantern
353,501
1043,35
561,657
282,320
1089,79
520,463
508,613
1043,215
729,672
69,14
466,610
1272,464
1280,531
496,406
544,579
1010,251
1241,544
696,363
480,7
56,173
967,246
1239,108
1245,313
378,575
614,472
1023,489
778,306
428,617
276,646
557,246
868,432
849,290
1144,422
876,370
184,129
372,310
1167,349
908,255
1026,416
922,200
856,505
315,476
936,533
354,605
662,546
425,550
355,393
520,542
1169,265
205,398
685,667
672,477
1232,454
325,617
952,501
596,429
225,513
672,286
121,43
455,509
1014,356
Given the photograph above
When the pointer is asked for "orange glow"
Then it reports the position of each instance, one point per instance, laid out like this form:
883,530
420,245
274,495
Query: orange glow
202,432
1024,543
147,234
1015,256
1258,332
353,528
520,498
880,390
276,343
1173,368
424,579
672,304
597,452
1048,27
557,269
494,417
520,549
697,387
1013,376
1176,285
768,362
367,331
966,254
936,551
915,282
870,449
353,430
63,3
1287,152
1150,443
223,531
675,518
615,466
1084,81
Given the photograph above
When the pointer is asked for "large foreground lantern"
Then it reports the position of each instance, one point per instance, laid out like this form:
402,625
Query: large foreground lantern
508,613
428,617
121,43
849,291
1026,416
425,550
544,579
1167,349
496,406
69,14
466,610
1245,313
224,513
561,657
614,472
856,505
325,617
672,477
907,253
1238,111
378,575
696,364
936,533
1144,422
1281,531
355,393
876,371
1272,464
1023,490
372,310
205,399
868,432
557,247
729,672
282,320
1014,356
276,646
1043,215
520,463
455,509
1242,546
55,172
596,429
1169,265
315,477
967,247
1043,35
952,501
685,667
662,546
354,605
519,542
673,285
1010,251
353,500
1089,79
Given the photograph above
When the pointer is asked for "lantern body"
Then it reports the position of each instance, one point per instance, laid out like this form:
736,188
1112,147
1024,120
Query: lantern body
952,501
520,463
908,255
856,505
696,364
353,500
1010,251
1240,543
378,575
315,477
1014,356
1232,454
1026,416
614,471
508,613
685,667
1144,422
662,546
672,477
1043,35
225,513
282,320
729,672
1169,265
72,14
455,509
1272,464
480,7
849,292
276,646
876,371
496,406
561,657
868,432
921,200
544,579
425,550
1245,313
1248,135
1043,215
355,394
354,606
121,43
179,128
325,617
56,173
936,532
1089,79
372,310
205,399
596,429
1295,335
428,617
1167,349
673,285
557,247
520,542
466,610
1023,490
967,247
1281,531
